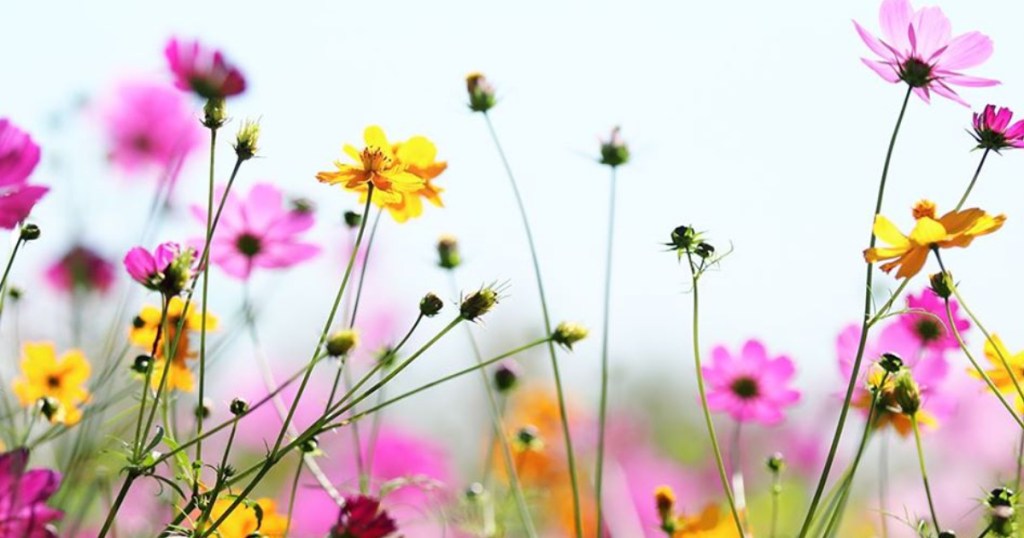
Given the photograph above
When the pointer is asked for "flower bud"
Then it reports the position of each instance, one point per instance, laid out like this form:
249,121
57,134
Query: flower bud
907,393
947,534
704,250
891,362
142,364
614,151
776,463
204,409
685,239
567,334
506,377
50,408
15,293
178,273
527,439
430,305
448,252
478,303
665,502
386,357
342,342
247,140
303,206
214,113
481,93
475,491
30,232
309,446
239,407
353,219
942,284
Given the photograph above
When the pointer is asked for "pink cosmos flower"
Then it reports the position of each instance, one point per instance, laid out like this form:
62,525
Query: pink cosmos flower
23,496
80,268
363,517
992,129
202,71
19,155
751,387
257,231
166,269
919,48
149,125
930,324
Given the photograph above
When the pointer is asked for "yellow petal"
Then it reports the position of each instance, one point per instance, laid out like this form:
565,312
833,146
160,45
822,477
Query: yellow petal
888,232
417,151
375,138
40,360
351,151
927,231
75,368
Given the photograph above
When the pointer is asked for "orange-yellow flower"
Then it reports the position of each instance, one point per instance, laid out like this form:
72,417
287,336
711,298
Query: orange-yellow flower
887,412
909,252
242,522
420,156
62,380
378,164
144,331
1000,377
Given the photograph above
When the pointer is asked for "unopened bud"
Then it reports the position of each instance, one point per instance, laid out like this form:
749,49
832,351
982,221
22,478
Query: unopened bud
568,333
303,206
614,151
907,393
704,250
891,362
665,502
430,305
30,232
481,94
309,446
204,409
15,293
776,463
239,407
214,114
448,252
49,407
478,303
505,377
142,363
342,342
942,284
528,439
247,140
353,219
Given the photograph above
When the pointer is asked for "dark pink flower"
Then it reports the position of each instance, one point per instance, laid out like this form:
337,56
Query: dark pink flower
930,324
202,71
23,496
362,517
149,125
919,48
992,129
167,269
19,155
257,231
751,387
81,268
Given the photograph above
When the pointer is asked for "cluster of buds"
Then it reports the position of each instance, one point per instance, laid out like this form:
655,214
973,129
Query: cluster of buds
247,140
482,96
614,151
688,242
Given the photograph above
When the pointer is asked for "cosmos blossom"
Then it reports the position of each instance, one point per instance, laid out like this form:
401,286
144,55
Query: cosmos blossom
992,129
80,269
202,70
918,47
19,155
750,386
23,496
926,320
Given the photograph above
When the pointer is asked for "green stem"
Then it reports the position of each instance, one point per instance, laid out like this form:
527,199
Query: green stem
137,445
1020,463
603,406
291,496
562,410
924,472
776,493
117,504
719,462
970,186
206,282
362,270
855,372
7,271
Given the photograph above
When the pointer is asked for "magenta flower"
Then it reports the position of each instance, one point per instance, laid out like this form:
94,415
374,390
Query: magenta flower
751,387
258,231
930,325
19,155
362,517
202,71
23,496
919,48
167,269
149,125
80,269
992,129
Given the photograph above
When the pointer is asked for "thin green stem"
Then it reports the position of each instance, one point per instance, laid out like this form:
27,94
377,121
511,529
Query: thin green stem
7,271
924,471
699,371
970,186
562,410
776,493
362,270
114,508
291,496
858,359
1020,463
137,445
206,282
605,324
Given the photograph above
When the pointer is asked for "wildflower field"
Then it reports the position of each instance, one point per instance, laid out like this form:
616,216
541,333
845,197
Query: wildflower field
344,285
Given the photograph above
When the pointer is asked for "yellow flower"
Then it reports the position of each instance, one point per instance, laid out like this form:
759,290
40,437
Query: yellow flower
46,376
707,524
1000,377
144,331
377,164
909,252
419,155
242,521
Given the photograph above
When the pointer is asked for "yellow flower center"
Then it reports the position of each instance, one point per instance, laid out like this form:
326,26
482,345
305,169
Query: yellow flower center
374,160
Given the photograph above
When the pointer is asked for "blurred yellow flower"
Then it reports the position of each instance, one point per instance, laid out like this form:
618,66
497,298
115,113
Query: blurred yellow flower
378,164
707,524
62,380
242,522
909,252
144,331
1000,377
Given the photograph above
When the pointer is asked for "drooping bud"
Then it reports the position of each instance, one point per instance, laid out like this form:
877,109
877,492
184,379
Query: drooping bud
448,252
247,140
481,93
342,342
478,303
30,232
430,305
568,333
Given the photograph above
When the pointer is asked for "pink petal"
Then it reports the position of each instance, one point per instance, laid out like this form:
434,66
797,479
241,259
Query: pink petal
966,51
884,70
279,255
894,17
932,31
970,82
872,42
263,206
948,93
17,203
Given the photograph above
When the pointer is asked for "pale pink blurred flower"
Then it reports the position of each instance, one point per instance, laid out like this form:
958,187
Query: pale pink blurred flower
149,125
258,230
80,269
930,324
992,129
202,71
19,155
918,48
751,386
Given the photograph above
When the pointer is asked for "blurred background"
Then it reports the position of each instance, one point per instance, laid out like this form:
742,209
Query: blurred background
753,121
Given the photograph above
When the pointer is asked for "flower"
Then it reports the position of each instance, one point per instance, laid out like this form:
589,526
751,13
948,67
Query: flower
954,229
19,155
81,269
259,230
243,523
992,129
751,387
709,523
23,496
147,125
421,162
381,166
919,48
362,517
44,376
995,352
167,269
202,71
926,320
144,332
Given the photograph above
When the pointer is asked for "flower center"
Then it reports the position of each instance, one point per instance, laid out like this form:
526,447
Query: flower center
248,244
928,330
745,387
374,160
53,381
142,143
916,73
990,139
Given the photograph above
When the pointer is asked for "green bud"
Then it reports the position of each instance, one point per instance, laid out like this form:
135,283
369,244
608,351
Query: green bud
342,342
567,334
430,305
30,232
